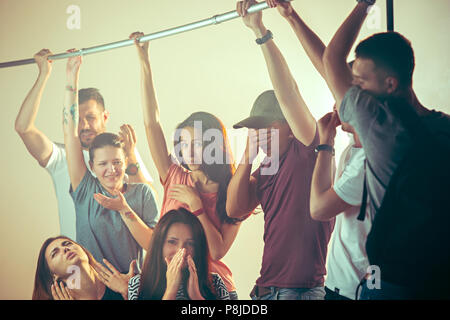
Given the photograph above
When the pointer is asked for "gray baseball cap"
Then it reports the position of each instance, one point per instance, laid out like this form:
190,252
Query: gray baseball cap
265,110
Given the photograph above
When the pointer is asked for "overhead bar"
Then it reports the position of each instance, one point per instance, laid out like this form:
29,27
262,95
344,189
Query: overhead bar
152,36
390,15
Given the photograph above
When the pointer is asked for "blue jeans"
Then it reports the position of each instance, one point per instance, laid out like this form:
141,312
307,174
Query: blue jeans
317,293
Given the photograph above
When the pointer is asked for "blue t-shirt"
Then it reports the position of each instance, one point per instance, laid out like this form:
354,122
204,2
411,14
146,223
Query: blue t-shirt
102,231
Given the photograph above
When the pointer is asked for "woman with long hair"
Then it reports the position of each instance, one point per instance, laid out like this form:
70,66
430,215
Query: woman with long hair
114,219
199,181
67,271
176,266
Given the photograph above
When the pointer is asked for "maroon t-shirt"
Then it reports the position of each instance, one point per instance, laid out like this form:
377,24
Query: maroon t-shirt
295,246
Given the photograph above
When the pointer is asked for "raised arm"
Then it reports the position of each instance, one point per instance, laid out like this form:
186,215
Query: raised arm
75,160
155,135
36,142
325,204
311,43
297,114
241,193
134,172
338,74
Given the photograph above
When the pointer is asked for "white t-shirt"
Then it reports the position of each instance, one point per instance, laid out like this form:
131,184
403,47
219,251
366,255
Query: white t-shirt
347,259
57,167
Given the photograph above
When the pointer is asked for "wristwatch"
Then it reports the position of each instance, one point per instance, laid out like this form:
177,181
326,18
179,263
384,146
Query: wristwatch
266,38
132,169
369,2
324,147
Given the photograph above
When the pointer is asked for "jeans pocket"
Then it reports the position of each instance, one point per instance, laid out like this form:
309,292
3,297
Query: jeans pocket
317,293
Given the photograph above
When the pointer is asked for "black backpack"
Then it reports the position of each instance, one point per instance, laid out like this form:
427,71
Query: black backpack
410,235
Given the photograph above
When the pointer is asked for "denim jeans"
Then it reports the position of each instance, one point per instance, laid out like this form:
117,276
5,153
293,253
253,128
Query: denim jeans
317,293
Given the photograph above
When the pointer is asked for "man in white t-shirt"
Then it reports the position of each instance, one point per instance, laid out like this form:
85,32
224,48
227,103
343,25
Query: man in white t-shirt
347,260
52,156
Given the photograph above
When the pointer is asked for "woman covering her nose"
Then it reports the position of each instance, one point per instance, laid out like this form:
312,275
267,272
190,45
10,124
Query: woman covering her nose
176,266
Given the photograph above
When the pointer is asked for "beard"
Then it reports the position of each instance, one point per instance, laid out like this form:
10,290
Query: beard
86,143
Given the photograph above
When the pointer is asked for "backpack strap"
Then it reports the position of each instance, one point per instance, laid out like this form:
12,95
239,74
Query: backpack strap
362,210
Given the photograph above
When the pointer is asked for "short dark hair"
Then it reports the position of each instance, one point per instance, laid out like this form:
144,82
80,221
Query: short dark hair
103,140
86,94
391,52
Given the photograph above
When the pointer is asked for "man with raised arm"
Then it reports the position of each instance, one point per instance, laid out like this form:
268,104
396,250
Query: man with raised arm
295,246
52,156
335,195
376,97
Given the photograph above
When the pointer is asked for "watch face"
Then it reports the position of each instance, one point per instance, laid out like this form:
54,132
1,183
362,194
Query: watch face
132,169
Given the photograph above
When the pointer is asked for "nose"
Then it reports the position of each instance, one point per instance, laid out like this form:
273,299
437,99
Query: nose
111,167
82,124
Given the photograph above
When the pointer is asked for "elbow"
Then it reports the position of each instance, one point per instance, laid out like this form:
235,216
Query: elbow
317,215
216,255
234,212
231,212
317,212
20,129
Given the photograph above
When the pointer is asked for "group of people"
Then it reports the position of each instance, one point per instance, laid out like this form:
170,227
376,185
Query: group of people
107,208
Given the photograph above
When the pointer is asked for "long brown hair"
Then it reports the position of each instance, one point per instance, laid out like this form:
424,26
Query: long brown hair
43,278
220,173
153,280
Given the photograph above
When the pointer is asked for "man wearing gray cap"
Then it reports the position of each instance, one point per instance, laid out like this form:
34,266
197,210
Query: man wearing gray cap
295,246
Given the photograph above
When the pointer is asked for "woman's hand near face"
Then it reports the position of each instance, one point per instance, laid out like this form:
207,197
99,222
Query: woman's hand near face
60,291
173,274
186,194
113,279
193,288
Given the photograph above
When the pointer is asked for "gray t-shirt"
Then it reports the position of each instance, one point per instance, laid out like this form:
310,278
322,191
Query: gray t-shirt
102,231
384,139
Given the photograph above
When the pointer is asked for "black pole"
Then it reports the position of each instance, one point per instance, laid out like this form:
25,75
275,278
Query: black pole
390,14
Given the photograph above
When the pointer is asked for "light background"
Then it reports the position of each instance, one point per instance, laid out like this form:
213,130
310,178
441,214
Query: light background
218,69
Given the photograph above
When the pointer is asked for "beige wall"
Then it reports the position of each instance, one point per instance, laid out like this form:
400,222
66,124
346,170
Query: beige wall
218,69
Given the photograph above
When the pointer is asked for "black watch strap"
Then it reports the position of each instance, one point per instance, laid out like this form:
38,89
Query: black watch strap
325,147
266,38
